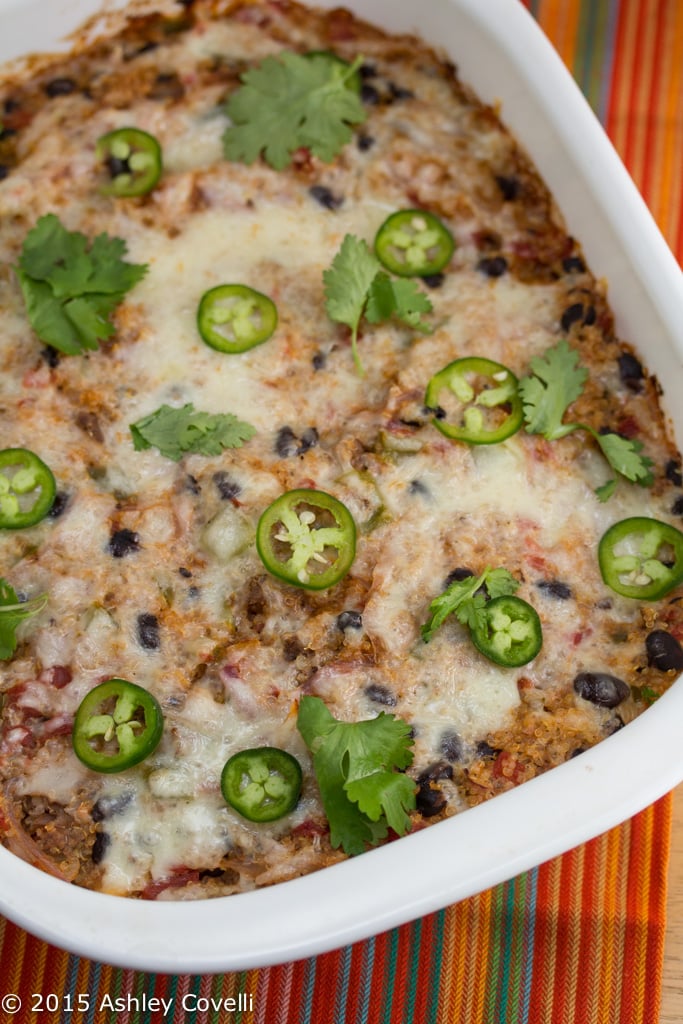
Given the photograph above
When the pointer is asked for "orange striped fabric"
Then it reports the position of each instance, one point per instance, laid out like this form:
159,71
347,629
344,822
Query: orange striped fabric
628,59
578,940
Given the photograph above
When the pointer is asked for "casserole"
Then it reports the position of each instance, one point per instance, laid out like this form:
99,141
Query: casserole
380,890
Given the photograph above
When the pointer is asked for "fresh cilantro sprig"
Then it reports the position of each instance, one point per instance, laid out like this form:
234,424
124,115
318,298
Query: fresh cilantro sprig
71,286
557,380
292,101
356,286
177,431
359,767
12,613
466,599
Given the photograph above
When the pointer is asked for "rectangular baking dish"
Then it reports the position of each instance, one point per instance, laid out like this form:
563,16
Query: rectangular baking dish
500,51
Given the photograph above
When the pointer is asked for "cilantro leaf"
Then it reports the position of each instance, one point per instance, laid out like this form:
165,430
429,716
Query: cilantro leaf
291,101
624,457
178,431
466,599
347,285
606,490
399,297
71,286
556,382
356,286
359,769
12,613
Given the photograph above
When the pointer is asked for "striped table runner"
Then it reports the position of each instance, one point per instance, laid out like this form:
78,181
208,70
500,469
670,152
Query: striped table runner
578,940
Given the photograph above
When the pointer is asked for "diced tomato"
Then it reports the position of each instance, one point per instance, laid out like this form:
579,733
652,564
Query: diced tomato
506,766
178,879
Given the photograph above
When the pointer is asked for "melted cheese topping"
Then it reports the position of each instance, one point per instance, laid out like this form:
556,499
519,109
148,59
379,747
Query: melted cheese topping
237,648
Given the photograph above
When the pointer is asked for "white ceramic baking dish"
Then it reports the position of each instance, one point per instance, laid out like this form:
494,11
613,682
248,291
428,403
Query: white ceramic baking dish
501,52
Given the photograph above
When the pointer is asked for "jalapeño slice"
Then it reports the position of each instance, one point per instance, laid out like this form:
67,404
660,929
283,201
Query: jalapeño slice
117,725
132,159
476,400
235,318
414,243
27,489
307,538
262,784
510,632
641,558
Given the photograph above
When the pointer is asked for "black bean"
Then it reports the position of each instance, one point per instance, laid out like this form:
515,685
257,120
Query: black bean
630,371
4,171
286,443
309,439
349,620
185,573
319,360
451,746
380,695
51,356
435,772
148,631
58,505
572,315
485,749
600,688
555,588
417,487
590,316
60,87
11,105
573,265
677,507
434,280
367,71
326,197
663,651
225,485
192,484
99,847
430,800
672,471
109,805
438,412
399,92
508,185
365,142
369,94
457,575
493,266
123,542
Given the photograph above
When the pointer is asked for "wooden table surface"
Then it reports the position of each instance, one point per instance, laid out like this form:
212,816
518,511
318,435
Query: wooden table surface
672,984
